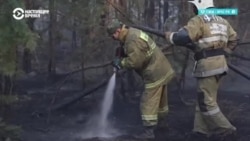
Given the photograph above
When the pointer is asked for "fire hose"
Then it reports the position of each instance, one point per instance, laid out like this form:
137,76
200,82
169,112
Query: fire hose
181,83
232,67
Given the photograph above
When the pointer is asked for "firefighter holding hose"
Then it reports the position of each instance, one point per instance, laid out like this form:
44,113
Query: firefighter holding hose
142,54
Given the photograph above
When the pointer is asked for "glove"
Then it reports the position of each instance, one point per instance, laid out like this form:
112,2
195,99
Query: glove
117,63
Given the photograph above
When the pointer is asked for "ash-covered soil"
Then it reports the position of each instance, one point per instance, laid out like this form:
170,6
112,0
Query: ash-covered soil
75,123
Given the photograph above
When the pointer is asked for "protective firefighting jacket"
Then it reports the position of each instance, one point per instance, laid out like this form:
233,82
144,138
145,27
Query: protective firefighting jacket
145,58
209,35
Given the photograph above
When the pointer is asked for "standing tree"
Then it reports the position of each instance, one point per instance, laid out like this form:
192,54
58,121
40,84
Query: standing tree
27,55
52,65
13,34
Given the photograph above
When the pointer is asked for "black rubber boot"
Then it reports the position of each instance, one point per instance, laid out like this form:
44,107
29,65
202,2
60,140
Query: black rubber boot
227,136
196,136
162,130
161,133
146,133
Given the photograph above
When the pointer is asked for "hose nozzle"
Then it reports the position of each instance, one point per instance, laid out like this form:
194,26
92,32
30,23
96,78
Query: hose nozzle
115,70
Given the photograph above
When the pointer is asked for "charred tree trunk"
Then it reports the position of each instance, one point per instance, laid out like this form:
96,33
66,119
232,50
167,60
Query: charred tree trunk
74,38
5,84
165,10
27,56
159,14
82,64
27,67
122,5
51,64
82,74
149,12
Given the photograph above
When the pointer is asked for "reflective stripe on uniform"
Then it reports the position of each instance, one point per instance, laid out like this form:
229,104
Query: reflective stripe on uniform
152,46
217,28
206,42
143,36
149,122
158,82
212,112
149,117
163,110
219,32
123,62
212,39
211,72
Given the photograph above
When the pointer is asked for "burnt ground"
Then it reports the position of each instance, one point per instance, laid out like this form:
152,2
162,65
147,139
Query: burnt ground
71,123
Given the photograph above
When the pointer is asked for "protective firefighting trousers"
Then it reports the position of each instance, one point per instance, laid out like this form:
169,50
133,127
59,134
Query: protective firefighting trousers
208,117
154,105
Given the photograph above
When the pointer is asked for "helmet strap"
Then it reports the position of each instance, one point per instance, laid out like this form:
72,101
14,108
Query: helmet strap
195,10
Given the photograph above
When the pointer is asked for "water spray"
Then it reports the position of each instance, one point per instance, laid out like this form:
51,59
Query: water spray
100,125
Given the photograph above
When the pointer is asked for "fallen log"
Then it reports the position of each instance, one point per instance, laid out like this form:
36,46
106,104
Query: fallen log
238,71
69,74
90,67
77,97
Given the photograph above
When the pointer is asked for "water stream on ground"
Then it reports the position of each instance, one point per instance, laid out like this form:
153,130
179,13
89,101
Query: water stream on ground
99,125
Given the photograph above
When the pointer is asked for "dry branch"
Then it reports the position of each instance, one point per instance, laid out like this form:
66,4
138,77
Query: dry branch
77,97
238,71
90,67
69,74
240,56
120,11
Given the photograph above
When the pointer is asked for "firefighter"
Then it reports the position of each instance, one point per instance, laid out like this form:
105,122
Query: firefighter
149,62
209,36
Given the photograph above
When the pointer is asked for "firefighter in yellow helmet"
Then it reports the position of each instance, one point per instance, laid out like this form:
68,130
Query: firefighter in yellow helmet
143,55
209,36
